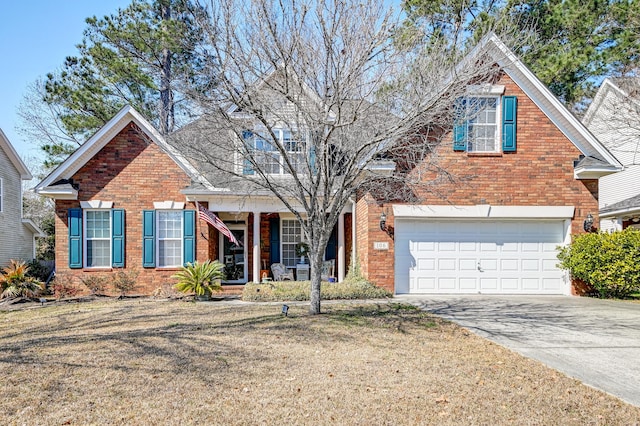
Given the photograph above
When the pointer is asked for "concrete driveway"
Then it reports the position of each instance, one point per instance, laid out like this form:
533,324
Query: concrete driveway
595,341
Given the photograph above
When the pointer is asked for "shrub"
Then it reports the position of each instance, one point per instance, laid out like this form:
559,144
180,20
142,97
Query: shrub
200,278
606,261
125,282
39,270
15,282
62,286
95,283
300,290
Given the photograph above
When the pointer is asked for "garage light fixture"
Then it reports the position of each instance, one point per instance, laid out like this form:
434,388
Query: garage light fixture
383,222
588,223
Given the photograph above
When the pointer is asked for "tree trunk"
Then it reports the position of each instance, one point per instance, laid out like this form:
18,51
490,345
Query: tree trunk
166,94
315,256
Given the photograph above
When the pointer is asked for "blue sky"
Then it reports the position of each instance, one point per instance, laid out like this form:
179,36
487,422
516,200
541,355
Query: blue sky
35,37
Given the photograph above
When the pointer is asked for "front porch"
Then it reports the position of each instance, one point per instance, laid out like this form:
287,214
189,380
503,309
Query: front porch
274,242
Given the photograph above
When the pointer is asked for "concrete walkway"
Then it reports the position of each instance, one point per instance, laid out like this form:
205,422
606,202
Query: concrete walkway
595,341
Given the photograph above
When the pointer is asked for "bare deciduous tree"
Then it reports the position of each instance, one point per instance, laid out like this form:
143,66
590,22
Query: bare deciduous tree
314,100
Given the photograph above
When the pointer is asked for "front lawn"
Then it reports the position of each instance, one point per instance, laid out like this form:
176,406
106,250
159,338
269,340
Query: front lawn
176,363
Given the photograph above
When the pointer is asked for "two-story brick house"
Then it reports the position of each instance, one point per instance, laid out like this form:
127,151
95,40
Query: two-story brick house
528,179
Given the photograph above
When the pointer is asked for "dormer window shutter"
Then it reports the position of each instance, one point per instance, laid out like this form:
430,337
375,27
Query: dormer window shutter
312,159
509,115
460,125
247,166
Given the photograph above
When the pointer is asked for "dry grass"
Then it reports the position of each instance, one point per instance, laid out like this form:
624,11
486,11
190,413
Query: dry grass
175,363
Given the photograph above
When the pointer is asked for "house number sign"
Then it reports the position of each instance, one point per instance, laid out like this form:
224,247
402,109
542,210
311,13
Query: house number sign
381,245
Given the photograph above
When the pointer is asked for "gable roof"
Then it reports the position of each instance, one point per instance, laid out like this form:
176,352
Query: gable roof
6,146
65,171
548,103
620,87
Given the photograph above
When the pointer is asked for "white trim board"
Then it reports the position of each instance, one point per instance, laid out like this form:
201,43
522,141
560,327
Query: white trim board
482,211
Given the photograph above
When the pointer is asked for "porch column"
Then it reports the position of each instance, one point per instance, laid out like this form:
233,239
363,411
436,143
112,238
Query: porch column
256,247
341,258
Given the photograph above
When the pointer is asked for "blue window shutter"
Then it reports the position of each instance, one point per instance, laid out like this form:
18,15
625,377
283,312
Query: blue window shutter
247,137
332,245
274,240
460,125
189,236
149,238
509,114
117,238
312,159
74,222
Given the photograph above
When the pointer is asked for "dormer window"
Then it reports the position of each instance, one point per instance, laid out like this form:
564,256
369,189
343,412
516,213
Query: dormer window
264,147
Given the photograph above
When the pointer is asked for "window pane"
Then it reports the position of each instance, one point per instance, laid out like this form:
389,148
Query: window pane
170,224
270,159
98,253
483,122
98,238
98,224
291,235
170,253
169,238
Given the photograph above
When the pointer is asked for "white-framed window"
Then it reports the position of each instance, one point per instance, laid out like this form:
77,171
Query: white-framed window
169,238
268,156
290,235
483,131
97,238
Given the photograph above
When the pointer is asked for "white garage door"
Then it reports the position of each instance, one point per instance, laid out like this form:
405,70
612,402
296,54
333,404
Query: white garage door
507,257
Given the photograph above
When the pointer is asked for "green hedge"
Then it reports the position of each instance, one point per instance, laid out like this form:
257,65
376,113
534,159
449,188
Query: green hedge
300,290
609,262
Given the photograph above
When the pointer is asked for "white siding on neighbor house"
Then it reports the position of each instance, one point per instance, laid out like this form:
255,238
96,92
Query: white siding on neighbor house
610,224
619,186
617,128
16,241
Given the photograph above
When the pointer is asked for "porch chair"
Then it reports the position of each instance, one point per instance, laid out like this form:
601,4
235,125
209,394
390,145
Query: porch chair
327,269
281,273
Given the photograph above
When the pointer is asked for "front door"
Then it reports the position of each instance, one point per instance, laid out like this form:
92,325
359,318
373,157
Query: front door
234,257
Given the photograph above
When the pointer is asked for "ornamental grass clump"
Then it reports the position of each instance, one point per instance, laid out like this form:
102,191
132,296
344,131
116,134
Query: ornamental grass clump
606,261
202,279
15,281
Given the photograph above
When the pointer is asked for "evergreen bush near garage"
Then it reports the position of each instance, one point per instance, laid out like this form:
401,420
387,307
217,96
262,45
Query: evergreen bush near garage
609,262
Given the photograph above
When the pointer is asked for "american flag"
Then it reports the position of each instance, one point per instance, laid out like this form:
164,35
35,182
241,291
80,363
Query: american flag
213,220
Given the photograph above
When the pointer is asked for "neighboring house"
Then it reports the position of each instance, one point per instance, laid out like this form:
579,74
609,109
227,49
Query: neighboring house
528,174
614,118
17,235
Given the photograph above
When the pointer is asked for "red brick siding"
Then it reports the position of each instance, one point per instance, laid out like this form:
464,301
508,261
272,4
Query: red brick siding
539,173
132,173
348,241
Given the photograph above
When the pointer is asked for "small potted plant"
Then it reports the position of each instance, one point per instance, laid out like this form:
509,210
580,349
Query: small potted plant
302,249
200,278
